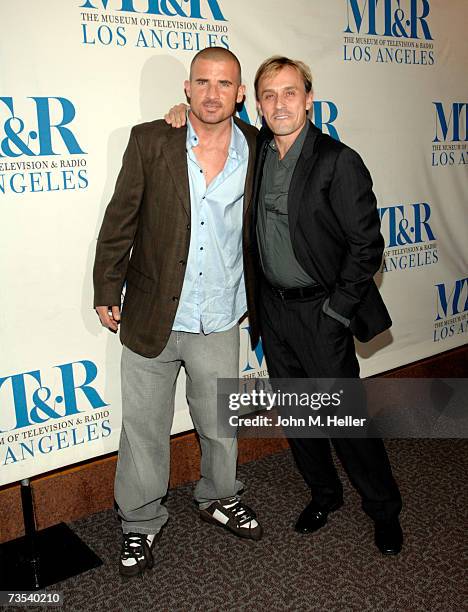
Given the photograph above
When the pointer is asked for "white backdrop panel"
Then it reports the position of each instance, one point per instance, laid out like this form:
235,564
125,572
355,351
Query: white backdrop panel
77,75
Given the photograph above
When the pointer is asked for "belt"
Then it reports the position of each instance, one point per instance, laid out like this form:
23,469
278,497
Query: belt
296,293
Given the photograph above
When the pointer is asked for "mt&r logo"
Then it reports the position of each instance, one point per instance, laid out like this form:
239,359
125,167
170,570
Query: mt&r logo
36,418
451,309
409,237
161,24
388,32
169,8
450,134
41,128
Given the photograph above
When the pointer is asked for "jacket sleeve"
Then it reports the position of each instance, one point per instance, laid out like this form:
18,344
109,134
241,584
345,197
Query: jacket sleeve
118,228
354,205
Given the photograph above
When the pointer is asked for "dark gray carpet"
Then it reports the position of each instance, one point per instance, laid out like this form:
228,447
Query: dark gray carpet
201,567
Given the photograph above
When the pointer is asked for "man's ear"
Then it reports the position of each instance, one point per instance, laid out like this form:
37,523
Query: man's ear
240,94
309,100
187,89
259,109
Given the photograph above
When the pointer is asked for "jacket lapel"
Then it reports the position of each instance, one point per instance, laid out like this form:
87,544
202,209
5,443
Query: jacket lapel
249,179
261,155
304,166
176,158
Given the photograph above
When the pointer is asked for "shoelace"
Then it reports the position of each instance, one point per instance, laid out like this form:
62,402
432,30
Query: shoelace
242,513
133,546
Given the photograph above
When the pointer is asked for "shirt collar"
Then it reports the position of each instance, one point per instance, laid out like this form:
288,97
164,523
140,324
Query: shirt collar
294,151
192,138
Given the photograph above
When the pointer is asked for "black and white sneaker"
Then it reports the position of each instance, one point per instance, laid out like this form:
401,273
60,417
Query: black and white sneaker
136,555
235,516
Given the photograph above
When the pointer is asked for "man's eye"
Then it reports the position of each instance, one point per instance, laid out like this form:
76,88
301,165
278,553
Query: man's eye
290,93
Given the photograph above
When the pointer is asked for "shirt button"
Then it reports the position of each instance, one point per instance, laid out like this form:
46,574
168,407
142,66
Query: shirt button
201,248
200,274
203,197
202,223
182,262
188,226
175,299
201,171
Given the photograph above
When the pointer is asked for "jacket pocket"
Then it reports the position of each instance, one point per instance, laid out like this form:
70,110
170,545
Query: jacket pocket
139,280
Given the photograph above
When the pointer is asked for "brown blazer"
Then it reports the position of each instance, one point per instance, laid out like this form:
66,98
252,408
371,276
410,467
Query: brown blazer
145,235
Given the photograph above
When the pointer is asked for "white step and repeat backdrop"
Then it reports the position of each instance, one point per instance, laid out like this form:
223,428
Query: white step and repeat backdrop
75,75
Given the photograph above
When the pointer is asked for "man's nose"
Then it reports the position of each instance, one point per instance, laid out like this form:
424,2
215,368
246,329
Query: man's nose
213,90
280,101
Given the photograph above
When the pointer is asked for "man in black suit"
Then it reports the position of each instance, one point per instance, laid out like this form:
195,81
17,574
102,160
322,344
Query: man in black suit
317,245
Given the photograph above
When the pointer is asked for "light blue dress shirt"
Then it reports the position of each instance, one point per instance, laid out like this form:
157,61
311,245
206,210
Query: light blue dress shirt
213,295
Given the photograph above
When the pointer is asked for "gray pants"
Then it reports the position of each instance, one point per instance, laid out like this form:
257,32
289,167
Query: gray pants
148,389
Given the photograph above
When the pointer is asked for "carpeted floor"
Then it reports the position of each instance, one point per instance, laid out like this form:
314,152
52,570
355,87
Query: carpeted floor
201,567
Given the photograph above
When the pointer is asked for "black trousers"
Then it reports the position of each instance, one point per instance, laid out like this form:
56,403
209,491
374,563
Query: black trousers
301,341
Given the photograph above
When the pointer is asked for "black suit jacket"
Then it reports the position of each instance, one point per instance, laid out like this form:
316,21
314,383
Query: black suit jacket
334,227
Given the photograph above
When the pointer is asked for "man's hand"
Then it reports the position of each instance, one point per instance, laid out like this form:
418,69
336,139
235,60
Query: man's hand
177,115
109,317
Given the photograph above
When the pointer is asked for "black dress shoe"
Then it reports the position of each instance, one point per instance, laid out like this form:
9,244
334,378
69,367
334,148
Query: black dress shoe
313,518
388,536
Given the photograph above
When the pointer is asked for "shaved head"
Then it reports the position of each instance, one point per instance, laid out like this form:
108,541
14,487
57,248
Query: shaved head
216,54
214,87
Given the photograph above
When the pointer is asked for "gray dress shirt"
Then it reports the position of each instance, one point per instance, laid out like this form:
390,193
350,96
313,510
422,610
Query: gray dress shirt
279,263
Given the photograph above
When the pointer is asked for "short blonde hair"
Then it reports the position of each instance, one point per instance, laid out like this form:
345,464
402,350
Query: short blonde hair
274,64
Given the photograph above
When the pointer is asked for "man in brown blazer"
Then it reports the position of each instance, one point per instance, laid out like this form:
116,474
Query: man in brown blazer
173,234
